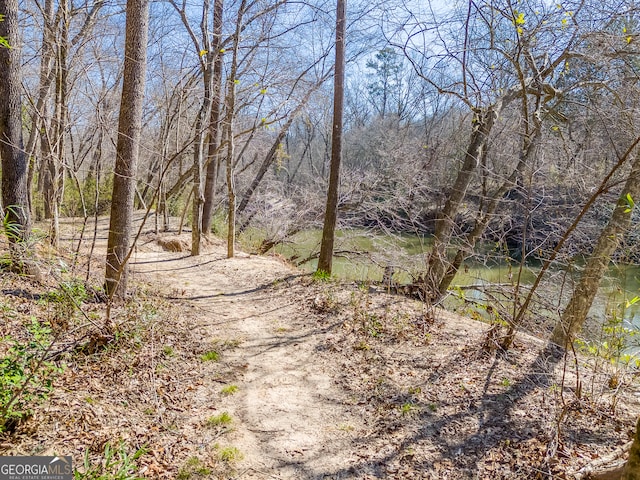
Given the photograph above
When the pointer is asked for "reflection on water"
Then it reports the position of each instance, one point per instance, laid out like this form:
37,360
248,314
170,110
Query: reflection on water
363,255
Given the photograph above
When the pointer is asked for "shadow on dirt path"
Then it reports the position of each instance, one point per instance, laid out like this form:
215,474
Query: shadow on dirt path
290,414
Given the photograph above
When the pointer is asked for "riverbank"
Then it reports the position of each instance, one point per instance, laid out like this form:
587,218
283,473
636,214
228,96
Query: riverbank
245,367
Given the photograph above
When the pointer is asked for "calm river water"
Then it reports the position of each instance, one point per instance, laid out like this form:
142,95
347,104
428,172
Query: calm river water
363,255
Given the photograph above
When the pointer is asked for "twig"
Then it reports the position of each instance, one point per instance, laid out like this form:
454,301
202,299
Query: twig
595,468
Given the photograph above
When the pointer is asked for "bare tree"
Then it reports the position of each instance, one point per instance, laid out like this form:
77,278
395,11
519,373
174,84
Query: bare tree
230,105
575,313
213,162
325,261
15,197
127,149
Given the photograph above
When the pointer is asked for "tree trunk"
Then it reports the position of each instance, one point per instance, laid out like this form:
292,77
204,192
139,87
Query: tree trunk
231,106
631,469
231,193
325,261
46,79
59,126
214,121
129,132
15,197
206,57
576,311
483,122
198,174
531,142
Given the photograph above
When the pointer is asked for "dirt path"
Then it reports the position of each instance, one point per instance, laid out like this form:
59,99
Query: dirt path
333,382
291,423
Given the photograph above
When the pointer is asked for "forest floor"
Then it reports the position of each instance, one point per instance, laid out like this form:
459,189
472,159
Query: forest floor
246,368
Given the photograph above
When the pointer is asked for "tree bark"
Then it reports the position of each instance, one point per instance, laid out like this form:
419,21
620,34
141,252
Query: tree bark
214,121
483,122
206,56
531,142
129,132
15,197
325,261
231,106
575,313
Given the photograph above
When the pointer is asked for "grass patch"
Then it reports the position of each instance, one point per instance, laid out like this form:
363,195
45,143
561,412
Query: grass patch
210,356
192,467
219,420
230,454
321,276
407,408
229,390
115,464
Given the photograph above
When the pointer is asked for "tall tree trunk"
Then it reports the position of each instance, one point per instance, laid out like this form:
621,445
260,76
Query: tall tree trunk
214,121
56,167
198,166
531,142
206,56
483,121
325,261
575,313
129,130
44,89
231,190
231,107
15,196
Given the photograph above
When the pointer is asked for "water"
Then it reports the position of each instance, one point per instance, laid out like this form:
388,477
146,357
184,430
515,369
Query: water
363,255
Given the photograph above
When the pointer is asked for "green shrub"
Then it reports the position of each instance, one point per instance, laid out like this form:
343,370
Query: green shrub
115,464
26,378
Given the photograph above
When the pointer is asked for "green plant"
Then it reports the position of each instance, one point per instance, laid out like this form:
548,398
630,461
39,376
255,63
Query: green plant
374,325
615,337
229,390
230,454
210,356
505,382
12,229
219,420
321,276
72,204
66,299
168,351
115,464
26,377
4,43
407,408
192,466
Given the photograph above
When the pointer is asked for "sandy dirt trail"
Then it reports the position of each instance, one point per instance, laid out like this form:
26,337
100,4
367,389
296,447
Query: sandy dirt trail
291,420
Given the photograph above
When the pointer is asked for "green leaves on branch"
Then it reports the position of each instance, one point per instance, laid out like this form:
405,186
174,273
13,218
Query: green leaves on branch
629,203
518,21
631,302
